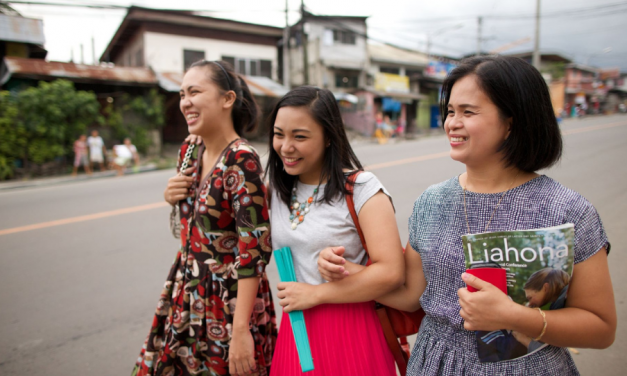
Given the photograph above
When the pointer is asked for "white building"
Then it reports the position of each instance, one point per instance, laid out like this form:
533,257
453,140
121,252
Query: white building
169,41
337,53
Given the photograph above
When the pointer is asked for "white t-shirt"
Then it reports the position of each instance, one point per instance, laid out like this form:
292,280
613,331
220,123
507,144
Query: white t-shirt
124,151
324,226
95,145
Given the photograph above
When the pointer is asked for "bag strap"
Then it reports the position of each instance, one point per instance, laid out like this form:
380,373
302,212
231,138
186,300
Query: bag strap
390,337
350,202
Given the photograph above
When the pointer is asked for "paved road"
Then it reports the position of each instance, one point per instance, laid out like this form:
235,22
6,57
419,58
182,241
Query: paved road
78,298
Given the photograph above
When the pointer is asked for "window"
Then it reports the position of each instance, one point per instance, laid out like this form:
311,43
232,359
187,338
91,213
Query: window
344,36
250,67
230,60
191,56
389,70
346,79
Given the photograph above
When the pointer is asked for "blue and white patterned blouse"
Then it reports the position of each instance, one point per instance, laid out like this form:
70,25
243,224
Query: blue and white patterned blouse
443,346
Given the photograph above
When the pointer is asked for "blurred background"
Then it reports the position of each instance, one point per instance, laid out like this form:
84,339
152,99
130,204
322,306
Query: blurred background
83,255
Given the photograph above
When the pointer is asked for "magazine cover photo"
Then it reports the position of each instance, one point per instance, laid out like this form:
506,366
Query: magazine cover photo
538,265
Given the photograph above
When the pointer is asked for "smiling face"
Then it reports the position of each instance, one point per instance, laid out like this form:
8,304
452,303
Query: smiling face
300,143
474,126
536,298
202,102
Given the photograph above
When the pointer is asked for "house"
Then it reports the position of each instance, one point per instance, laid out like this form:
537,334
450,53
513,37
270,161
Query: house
581,87
20,37
336,55
169,41
392,90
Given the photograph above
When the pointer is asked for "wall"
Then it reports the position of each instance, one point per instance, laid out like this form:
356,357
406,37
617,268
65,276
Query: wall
128,58
164,52
361,117
556,89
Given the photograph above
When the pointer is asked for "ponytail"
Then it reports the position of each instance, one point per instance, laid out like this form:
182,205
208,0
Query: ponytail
245,111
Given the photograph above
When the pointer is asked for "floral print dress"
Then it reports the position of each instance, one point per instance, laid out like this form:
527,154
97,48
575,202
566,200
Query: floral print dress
225,236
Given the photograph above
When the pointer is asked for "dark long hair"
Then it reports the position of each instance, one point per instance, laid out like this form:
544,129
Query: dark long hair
520,92
245,111
338,155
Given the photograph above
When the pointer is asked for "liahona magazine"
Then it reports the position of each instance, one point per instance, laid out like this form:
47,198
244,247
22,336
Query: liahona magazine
538,265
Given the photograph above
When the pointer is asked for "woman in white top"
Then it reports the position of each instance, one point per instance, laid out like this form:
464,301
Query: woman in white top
309,162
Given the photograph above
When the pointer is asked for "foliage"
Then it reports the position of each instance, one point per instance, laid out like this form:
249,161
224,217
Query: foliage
12,134
54,114
557,70
40,124
134,116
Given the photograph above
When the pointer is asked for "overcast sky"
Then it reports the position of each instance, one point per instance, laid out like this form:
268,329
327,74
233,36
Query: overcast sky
589,31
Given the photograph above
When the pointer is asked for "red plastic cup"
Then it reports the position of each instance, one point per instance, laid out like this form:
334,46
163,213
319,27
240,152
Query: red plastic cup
495,276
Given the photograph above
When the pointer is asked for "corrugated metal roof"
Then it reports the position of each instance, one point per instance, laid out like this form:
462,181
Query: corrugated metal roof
38,69
398,56
260,86
21,29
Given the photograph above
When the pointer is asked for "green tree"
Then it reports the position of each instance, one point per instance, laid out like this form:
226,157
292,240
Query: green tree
54,114
12,134
134,116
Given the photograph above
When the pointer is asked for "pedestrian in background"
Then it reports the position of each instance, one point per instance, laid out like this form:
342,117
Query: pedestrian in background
215,315
500,124
309,163
81,157
97,150
123,154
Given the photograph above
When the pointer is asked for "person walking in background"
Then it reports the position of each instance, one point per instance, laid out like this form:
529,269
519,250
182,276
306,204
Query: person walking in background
123,154
215,315
309,163
81,157
97,150
500,124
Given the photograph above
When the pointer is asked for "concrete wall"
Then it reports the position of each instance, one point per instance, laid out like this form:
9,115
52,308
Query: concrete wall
164,52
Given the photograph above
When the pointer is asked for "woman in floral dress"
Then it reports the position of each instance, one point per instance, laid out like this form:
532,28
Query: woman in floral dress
215,315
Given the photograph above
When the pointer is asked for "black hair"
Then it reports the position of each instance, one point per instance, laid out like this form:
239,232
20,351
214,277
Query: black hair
519,92
245,111
338,156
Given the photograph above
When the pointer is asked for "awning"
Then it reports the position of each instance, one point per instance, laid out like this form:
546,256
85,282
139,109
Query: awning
402,97
346,97
259,86
39,69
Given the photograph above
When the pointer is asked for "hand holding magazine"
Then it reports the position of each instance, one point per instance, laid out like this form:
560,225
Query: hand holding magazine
538,264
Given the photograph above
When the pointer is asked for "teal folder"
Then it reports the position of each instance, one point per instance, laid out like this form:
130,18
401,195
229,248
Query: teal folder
285,265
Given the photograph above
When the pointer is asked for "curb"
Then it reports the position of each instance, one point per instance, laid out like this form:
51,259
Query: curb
42,182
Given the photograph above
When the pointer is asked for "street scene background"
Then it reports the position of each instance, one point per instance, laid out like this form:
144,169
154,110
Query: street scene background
78,298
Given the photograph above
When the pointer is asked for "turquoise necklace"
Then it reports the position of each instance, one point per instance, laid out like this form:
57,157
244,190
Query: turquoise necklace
299,210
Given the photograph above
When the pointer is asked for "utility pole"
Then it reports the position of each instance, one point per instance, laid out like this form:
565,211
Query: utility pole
82,55
305,44
536,45
286,50
479,24
93,51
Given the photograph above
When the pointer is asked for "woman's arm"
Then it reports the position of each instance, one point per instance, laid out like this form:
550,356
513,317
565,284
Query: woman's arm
242,349
334,267
378,223
588,320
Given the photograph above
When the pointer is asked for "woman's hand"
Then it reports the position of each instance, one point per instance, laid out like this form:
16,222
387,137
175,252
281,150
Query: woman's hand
193,139
242,353
521,338
178,187
296,296
330,264
486,309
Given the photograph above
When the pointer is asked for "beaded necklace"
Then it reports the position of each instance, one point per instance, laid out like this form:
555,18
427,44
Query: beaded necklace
299,210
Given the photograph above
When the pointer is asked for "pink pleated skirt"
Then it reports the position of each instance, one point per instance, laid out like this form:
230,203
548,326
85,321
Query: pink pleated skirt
345,339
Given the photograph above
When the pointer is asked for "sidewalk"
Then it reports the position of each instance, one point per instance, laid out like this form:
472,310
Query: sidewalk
52,180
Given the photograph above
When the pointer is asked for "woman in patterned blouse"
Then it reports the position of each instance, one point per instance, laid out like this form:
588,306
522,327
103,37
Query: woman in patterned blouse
215,315
500,124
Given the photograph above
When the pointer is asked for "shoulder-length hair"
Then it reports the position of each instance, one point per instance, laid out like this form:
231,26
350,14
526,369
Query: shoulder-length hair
520,93
338,156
